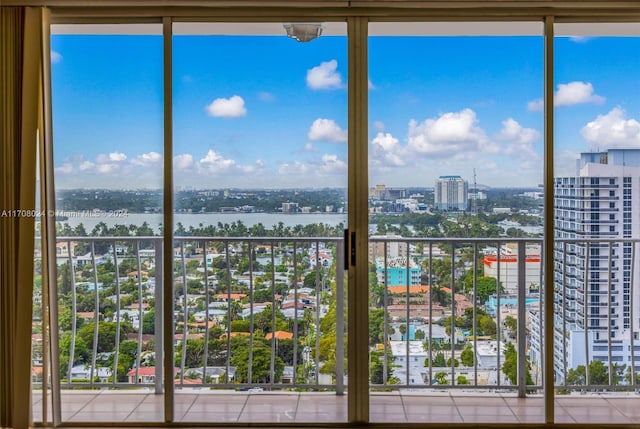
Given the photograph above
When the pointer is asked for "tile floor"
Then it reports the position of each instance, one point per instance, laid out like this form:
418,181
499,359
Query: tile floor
274,407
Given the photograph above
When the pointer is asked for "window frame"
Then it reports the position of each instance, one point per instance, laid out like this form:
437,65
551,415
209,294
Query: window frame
357,16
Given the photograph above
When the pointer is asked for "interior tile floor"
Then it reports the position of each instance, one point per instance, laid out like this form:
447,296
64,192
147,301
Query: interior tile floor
388,407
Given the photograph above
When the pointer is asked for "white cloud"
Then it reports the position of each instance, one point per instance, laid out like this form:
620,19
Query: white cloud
370,84
56,57
331,165
267,97
151,158
565,163
309,147
569,94
576,93
254,169
326,130
450,134
232,107
123,170
108,168
183,161
378,126
325,166
324,76
536,105
66,168
520,142
513,132
612,130
112,157
386,151
213,162
294,168
86,165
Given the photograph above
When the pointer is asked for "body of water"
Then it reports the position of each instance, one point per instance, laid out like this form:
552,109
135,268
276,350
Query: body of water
196,220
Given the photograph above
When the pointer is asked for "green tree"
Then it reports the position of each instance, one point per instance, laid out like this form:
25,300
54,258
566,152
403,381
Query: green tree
440,378
485,287
263,322
439,361
240,326
310,278
510,365
148,321
403,331
194,353
376,326
260,365
106,335
376,368
467,357
462,380
81,352
511,323
598,374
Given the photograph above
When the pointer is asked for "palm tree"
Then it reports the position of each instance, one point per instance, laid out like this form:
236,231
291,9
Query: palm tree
403,331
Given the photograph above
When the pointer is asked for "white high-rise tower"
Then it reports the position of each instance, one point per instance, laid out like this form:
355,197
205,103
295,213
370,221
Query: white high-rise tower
451,193
596,281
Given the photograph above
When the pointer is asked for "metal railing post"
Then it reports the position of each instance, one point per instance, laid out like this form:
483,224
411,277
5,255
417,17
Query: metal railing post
521,326
158,326
340,319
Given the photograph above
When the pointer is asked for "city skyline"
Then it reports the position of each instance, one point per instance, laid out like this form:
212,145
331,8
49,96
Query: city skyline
276,117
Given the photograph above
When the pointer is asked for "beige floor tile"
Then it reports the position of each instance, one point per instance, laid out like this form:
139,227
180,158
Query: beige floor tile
320,417
477,410
119,416
589,413
434,418
489,401
530,419
100,405
563,417
429,409
497,418
145,417
380,400
206,417
207,405
527,411
287,416
387,417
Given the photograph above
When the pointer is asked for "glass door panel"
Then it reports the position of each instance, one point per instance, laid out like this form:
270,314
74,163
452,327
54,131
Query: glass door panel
456,159
108,149
596,254
260,174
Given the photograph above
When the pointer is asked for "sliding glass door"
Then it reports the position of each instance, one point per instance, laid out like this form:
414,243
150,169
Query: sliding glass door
456,159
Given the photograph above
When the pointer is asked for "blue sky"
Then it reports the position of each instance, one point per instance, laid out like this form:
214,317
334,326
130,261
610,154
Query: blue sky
266,111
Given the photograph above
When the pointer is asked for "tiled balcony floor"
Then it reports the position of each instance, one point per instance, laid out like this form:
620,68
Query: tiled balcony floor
388,407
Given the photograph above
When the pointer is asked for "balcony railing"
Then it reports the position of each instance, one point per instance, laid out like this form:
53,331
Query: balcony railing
247,315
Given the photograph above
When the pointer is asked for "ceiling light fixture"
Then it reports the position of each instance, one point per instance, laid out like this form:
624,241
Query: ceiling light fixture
304,32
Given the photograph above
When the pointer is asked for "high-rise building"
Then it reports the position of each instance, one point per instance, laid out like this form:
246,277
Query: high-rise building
451,193
593,278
